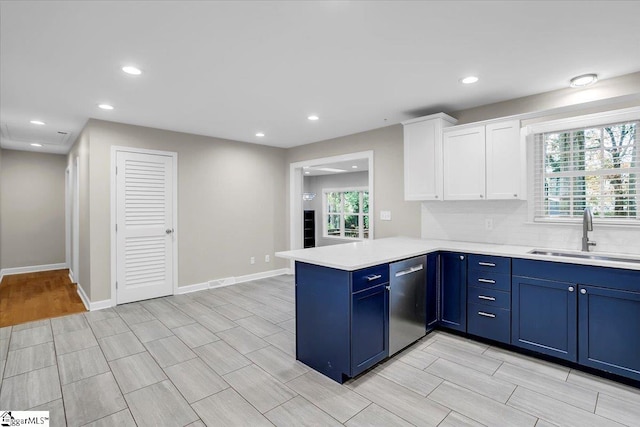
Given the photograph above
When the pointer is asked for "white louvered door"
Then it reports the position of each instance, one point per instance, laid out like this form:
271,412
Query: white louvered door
145,226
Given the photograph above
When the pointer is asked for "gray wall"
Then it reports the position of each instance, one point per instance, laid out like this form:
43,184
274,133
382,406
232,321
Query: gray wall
315,184
32,209
231,203
388,159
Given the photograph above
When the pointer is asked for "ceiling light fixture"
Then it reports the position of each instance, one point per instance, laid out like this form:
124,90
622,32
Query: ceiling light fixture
105,106
35,144
583,80
307,173
259,134
354,167
313,117
132,70
469,80
37,122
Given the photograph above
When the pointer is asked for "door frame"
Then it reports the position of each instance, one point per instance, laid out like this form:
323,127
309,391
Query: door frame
174,159
295,193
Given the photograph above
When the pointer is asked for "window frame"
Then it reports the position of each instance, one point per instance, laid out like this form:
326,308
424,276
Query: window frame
342,214
568,125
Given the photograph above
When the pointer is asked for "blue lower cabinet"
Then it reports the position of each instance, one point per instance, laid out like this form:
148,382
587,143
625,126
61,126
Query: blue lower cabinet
489,322
453,291
544,316
609,330
432,292
369,328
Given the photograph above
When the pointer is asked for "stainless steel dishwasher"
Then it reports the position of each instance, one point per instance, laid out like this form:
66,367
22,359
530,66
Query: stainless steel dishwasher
407,302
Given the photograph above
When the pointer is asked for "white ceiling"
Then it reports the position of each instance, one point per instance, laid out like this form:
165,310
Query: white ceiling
231,69
357,165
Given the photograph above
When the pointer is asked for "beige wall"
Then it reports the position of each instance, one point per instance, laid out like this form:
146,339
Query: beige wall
388,160
231,203
32,209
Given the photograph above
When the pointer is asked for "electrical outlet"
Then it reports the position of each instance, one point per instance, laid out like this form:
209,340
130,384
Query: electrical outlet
252,260
385,215
488,224
267,258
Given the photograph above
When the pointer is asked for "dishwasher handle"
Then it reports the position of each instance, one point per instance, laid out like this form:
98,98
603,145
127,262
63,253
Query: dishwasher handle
410,270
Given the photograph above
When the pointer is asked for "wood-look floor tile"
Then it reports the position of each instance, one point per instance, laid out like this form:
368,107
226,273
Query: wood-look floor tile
81,364
150,331
169,351
605,386
108,327
535,366
56,412
137,371
31,325
96,316
92,398
5,333
121,345
328,395
175,319
559,390
618,410
401,401
459,355
29,359
195,379
221,357
228,408
30,389
4,349
456,420
277,363
160,405
216,322
232,311
554,411
195,335
32,336
259,388
285,341
119,419
74,341
259,326
194,309
466,344
473,380
416,357
242,340
134,313
407,376
480,408
374,415
289,325
71,323
299,412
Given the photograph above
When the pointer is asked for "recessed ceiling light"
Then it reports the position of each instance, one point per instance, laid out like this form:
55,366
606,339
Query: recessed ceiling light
354,167
313,117
37,122
584,80
259,134
105,106
35,144
132,70
468,80
307,173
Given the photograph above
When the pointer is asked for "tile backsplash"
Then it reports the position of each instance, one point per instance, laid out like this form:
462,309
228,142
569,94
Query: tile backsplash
466,221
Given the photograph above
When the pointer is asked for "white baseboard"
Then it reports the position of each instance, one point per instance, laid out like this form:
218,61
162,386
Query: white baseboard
31,269
228,281
192,288
92,306
83,297
71,276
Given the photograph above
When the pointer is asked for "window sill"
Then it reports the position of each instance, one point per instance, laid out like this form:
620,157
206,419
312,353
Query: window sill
578,222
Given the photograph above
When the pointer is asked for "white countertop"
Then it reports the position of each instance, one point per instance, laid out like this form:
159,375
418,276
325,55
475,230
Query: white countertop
357,255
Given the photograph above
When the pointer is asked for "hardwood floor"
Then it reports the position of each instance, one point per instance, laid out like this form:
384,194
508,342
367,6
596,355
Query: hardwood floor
34,296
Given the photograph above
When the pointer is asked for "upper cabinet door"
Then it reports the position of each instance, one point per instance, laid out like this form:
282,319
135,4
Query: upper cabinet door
423,157
464,164
505,165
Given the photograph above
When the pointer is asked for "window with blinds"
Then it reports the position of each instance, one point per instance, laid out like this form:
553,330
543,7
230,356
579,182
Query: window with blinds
594,167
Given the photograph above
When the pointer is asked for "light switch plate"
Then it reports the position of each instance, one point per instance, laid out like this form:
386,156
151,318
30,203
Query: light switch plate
385,215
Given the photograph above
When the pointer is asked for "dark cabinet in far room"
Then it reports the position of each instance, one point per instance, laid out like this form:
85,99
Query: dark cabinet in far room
309,229
453,290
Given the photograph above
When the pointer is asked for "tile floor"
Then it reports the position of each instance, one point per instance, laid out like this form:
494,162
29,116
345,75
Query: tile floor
225,357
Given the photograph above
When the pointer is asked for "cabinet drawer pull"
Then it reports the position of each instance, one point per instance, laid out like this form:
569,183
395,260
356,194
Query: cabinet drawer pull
487,281
482,313
373,277
486,264
486,298
409,270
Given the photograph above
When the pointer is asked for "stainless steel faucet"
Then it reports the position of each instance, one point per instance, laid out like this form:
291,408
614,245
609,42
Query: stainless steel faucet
587,225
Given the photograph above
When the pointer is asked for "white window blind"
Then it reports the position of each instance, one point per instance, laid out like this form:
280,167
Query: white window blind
594,167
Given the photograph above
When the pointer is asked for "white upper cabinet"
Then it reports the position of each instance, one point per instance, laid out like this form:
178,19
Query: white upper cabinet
423,156
464,164
505,161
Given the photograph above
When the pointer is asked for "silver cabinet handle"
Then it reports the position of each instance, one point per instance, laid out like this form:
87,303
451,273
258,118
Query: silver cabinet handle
486,264
571,289
388,287
583,291
410,270
487,281
486,298
482,313
373,277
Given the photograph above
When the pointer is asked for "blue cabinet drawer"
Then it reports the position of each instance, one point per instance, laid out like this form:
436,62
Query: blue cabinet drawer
489,297
494,264
490,280
489,322
368,277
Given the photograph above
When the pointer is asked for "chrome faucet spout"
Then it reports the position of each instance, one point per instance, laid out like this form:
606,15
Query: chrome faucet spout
587,225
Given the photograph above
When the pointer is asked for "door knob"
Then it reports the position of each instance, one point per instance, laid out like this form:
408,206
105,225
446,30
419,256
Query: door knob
169,230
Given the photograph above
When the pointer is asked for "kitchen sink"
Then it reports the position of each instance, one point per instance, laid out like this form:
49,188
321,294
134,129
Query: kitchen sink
583,255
